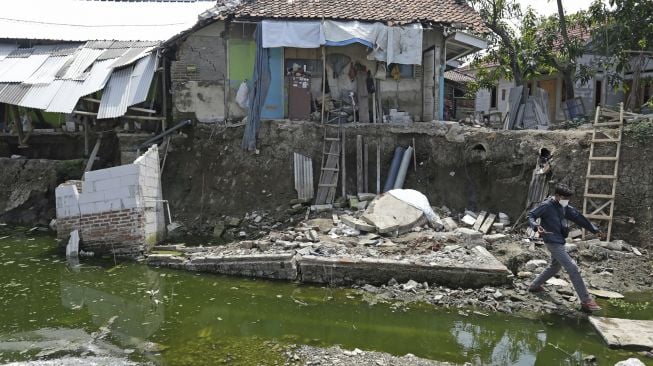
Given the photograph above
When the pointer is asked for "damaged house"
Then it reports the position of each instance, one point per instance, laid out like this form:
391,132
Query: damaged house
66,86
329,61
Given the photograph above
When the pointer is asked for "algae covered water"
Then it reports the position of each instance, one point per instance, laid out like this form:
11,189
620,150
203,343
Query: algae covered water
53,309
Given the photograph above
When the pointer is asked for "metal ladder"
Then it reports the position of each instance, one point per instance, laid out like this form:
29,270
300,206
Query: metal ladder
598,200
330,167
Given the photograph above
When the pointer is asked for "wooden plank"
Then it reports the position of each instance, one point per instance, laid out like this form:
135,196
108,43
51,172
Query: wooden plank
91,159
514,101
487,224
343,166
366,167
359,165
378,168
479,220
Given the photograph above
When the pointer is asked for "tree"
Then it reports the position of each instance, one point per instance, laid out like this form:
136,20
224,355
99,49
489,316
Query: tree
623,35
511,52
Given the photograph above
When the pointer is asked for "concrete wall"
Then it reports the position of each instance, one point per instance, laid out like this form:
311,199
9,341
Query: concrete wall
114,210
198,75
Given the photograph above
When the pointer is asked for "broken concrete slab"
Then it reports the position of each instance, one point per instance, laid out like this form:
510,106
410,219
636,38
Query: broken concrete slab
449,224
605,294
357,224
391,215
272,266
487,224
481,269
469,234
468,220
323,225
495,238
625,333
366,196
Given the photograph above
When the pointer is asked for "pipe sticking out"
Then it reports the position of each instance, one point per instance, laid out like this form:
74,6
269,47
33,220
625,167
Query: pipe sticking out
394,169
403,169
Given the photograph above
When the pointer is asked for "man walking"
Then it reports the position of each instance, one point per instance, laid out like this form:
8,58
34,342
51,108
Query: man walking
553,230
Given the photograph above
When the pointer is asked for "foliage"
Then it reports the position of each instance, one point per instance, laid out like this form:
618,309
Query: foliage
619,32
641,131
628,307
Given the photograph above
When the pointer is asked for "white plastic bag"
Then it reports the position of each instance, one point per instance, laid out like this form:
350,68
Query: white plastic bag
242,96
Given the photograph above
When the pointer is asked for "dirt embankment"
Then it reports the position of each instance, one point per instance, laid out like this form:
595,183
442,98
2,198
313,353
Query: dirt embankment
27,188
208,176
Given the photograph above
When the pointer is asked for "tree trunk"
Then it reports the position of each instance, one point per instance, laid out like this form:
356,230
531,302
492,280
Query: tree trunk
570,68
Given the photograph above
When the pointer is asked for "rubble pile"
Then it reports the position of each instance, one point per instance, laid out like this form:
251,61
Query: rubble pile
389,229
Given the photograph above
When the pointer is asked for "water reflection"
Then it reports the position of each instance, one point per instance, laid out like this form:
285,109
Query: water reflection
178,318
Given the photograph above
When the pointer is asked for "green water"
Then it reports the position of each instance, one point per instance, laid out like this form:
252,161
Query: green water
178,318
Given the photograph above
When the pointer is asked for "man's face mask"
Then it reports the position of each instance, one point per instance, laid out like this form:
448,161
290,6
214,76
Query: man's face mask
564,203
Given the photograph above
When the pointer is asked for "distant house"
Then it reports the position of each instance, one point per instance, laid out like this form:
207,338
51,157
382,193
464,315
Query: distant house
591,94
404,45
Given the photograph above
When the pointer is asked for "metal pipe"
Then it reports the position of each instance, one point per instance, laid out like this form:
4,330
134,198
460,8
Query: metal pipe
394,168
403,169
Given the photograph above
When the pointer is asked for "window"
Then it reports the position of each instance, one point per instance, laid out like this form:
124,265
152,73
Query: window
597,93
493,97
405,71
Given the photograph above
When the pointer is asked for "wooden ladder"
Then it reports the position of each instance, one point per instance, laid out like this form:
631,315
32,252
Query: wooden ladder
330,167
598,200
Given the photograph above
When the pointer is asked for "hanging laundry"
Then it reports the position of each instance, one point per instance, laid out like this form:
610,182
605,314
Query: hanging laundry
299,34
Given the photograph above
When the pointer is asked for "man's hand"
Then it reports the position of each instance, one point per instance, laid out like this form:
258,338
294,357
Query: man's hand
540,230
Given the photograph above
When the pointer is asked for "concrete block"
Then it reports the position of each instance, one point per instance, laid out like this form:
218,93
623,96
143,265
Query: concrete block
468,220
449,224
117,192
122,170
97,175
91,197
468,234
357,224
107,184
129,180
495,238
87,208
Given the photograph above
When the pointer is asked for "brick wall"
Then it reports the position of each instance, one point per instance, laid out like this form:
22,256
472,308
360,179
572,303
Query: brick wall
117,210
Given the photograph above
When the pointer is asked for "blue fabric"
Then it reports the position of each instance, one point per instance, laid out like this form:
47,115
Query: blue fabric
258,91
551,215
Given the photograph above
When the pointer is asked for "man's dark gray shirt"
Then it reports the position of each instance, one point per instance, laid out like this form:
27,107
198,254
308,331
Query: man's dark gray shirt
551,215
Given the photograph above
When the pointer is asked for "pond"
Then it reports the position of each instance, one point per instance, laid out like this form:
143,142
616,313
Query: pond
127,310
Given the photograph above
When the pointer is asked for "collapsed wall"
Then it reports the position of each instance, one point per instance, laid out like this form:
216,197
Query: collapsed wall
208,175
117,210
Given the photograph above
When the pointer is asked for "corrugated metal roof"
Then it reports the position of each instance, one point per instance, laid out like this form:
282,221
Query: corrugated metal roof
21,52
100,73
23,68
40,96
112,53
47,72
6,49
83,58
66,98
141,78
131,55
66,49
74,20
115,95
13,93
8,64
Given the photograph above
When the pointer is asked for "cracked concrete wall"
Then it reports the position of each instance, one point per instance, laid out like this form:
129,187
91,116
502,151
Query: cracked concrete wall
199,75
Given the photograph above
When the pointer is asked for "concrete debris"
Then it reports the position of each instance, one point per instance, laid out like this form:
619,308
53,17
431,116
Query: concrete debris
449,224
366,197
393,216
469,234
321,208
630,362
468,220
534,264
358,224
504,219
606,294
557,282
625,333
72,249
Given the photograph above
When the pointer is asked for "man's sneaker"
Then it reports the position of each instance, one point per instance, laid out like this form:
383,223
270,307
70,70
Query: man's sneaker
590,306
536,289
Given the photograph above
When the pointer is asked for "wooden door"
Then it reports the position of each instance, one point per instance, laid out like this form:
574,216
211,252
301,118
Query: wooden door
428,99
550,87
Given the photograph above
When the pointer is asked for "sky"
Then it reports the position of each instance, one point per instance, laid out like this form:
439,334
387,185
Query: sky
549,7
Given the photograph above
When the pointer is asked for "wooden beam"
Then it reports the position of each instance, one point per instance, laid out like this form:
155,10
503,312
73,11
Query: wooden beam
91,159
19,126
359,165
144,110
92,100
142,118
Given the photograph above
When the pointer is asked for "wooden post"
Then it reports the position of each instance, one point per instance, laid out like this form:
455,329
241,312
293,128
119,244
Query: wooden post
359,164
414,156
366,166
378,168
91,159
323,82
343,165
164,94
85,136
19,126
